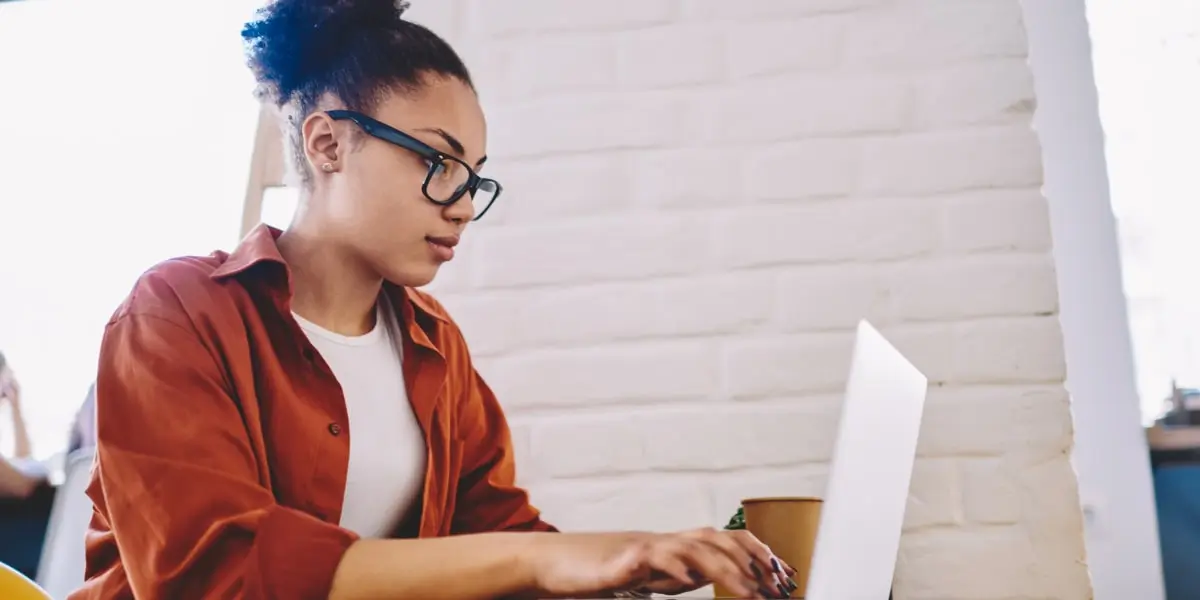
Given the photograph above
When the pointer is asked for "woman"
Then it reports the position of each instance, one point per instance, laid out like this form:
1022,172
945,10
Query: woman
295,420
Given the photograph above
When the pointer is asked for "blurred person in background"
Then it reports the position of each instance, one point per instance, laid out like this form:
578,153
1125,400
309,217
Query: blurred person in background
25,496
10,393
16,479
296,420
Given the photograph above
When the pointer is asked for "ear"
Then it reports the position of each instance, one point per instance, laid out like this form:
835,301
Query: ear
320,141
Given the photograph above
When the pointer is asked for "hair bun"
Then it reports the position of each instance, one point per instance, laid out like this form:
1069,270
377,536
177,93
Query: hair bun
292,41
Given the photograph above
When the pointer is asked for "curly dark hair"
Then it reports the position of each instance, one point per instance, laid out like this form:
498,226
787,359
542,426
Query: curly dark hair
356,50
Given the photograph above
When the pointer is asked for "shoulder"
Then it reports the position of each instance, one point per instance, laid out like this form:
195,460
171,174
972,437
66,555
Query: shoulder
180,290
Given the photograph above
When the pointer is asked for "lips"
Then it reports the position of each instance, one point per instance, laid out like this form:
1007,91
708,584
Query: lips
442,246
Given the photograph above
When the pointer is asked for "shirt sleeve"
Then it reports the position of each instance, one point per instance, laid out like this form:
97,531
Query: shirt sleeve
178,484
488,496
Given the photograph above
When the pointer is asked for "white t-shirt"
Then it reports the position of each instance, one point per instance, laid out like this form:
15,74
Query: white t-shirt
386,475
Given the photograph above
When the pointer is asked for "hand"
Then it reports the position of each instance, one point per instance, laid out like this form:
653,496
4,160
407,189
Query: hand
773,576
587,565
10,390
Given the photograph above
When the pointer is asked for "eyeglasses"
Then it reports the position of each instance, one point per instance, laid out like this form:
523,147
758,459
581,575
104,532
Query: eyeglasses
448,179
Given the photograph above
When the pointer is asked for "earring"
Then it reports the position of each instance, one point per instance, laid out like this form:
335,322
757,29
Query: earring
327,167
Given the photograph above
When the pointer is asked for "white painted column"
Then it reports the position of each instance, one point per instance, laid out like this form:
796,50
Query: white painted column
1111,455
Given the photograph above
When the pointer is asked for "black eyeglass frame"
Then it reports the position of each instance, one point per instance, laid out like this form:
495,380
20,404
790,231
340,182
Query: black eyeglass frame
394,136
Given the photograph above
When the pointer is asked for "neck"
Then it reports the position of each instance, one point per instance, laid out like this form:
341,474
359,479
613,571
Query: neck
330,287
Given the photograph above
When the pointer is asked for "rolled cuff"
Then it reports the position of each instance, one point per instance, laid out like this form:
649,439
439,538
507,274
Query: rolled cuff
298,555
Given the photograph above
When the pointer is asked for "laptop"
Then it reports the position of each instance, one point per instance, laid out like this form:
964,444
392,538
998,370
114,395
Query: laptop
859,533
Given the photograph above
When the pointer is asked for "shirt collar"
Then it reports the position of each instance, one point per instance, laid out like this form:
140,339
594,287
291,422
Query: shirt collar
259,246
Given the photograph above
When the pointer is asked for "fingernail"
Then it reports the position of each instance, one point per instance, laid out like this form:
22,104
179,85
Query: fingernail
754,569
786,593
775,565
764,592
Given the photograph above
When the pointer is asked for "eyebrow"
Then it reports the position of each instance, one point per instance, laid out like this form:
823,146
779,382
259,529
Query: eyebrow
453,142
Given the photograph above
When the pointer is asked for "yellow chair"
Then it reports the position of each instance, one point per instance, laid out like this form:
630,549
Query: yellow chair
15,586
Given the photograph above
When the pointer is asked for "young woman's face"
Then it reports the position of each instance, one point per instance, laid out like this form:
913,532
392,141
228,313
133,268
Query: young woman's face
375,203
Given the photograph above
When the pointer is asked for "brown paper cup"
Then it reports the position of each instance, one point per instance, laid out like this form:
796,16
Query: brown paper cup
789,527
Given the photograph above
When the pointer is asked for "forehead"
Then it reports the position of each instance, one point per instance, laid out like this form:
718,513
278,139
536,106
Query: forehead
441,103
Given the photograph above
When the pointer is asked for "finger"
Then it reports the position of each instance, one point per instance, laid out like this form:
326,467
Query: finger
773,570
673,564
730,545
715,565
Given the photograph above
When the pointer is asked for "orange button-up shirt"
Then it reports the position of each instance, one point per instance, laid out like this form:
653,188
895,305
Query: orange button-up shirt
223,439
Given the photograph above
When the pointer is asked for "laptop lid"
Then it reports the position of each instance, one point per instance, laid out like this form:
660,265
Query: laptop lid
863,513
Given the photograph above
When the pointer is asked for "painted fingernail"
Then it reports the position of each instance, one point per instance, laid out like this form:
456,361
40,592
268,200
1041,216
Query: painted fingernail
775,565
784,592
792,583
754,569
765,593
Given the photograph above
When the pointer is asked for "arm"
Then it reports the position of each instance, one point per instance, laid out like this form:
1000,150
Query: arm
488,496
483,566
11,390
177,483
180,491
13,483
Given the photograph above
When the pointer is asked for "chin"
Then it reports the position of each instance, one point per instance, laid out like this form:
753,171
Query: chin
418,277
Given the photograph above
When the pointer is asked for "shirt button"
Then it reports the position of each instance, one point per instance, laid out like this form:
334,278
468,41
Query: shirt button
335,429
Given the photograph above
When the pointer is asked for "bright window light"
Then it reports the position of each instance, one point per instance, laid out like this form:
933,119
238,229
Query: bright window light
127,133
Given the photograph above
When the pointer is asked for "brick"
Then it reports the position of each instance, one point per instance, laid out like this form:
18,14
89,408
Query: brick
1010,350
816,105
687,178
833,297
991,494
984,286
983,93
720,437
741,435
603,444
482,319
584,123
935,495
627,504
644,372
563,186
831,168
916,33
538,16
952,161
729,489
827,232
655,308
784,46
976,564
670,56
928,346
594,250
548,64
1051,513
997,221
788,365
722,10
1029,421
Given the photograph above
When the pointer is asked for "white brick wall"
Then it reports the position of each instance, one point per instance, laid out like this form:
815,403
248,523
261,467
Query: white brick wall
703,197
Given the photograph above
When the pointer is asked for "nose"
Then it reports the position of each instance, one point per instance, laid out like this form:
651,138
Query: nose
461,211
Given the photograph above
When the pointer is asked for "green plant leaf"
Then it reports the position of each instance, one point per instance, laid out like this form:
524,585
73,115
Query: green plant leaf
738,520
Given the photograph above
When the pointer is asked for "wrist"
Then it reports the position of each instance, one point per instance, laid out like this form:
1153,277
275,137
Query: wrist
529,555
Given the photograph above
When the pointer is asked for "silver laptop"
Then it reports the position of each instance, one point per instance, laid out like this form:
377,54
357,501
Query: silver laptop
859,534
